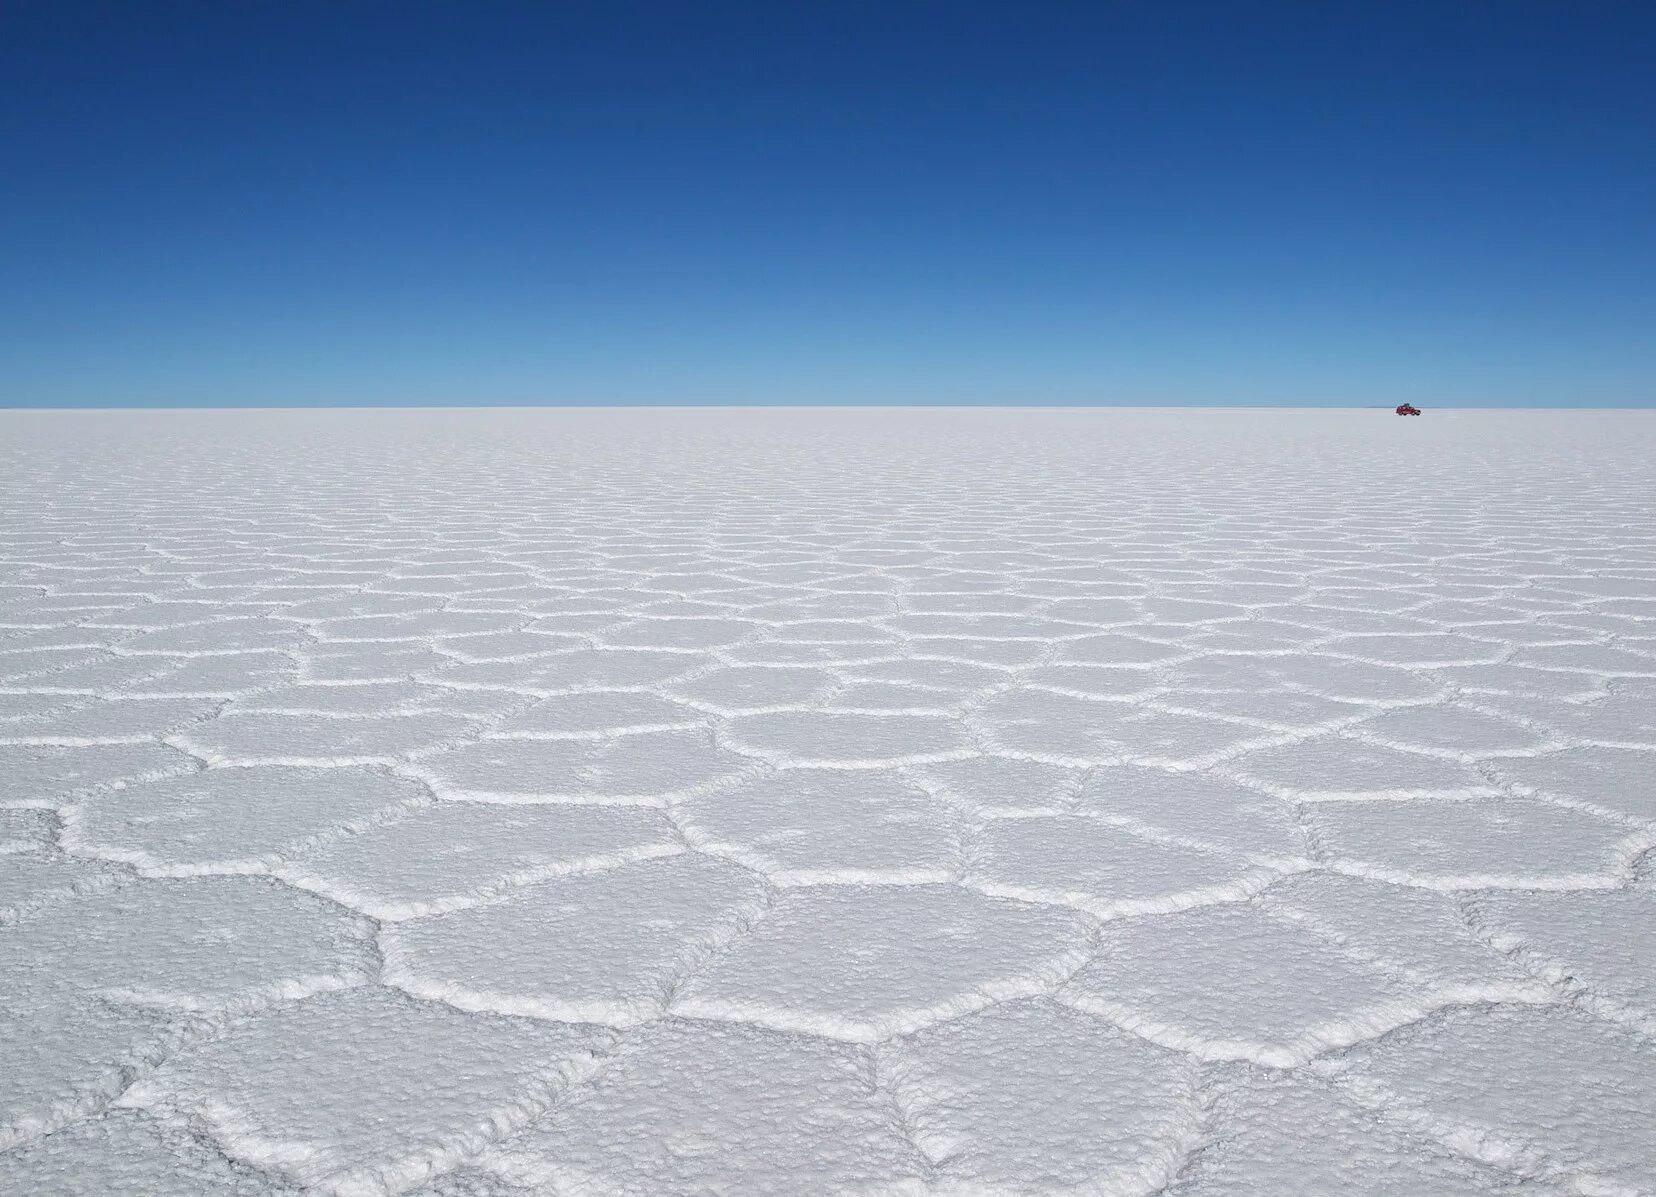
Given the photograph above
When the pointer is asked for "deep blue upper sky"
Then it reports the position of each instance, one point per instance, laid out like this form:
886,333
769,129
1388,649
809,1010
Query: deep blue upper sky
225,204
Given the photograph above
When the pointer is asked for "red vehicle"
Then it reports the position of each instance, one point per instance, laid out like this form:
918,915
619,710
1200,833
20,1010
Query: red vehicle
1407,409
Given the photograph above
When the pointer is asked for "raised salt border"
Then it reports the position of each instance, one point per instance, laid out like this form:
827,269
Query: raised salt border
667,802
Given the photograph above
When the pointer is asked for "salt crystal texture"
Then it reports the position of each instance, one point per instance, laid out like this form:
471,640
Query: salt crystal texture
502,802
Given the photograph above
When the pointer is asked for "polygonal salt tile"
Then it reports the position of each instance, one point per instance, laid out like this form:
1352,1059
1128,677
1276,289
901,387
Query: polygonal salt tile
356,604
1469,614
680,633
825,606
236,635
1339,767
1351,681
776,653
21,706
31,775
1285,710
1075,861
109,721
1625,717
453,854
24,665
755,687
349,698
270,738
833,631
478,704
1034,1097
603,947
891,696
807,826
648,767
1093,681
804,739
67,1056
573,623
1506,678
1184,636
582,669
974,651
865,963
171,613
1333,621
698,1108
1603,660
954,677
1206,810
985,625
1113,648
1278,1133
1423,648
1619,779
196,945
1242,673
1603,943
241,819
769,571
1176,610
219,676
1536,1091
1609,587
1511,843
1252,636
463,581
379,1092
509,646
1411,931
1516,634
1097,610
1179,741
1255,586
1544,599
596,714
25,606
1059,727
29,882
1005,785
382,663
1269,993
416,625
126,1152
1453,732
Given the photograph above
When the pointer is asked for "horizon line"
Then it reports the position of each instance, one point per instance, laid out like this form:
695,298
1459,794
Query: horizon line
815,406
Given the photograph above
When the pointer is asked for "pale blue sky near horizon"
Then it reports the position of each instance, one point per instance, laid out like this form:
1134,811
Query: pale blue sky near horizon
1126,204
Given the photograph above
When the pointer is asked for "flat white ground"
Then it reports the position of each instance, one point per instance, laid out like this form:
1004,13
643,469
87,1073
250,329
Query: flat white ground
792,802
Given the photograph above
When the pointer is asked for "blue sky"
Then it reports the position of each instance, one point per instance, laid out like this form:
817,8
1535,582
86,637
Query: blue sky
1306,203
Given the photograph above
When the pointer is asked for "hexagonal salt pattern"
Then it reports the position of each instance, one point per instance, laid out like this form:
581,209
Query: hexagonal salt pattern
384,1092
863,963
1546,1093
492,804
698,1107
1035,1097
615,944
128,1152
1274,1133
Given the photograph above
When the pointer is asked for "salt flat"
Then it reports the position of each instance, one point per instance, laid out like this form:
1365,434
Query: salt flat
792,801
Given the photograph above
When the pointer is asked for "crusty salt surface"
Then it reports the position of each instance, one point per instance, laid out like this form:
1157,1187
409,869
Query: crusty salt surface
805,801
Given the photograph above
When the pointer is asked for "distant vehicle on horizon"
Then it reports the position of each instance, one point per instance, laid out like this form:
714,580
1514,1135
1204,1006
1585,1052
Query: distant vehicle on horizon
1407,409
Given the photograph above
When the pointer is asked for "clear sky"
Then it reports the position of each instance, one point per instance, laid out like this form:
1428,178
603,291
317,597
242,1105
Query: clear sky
1300,202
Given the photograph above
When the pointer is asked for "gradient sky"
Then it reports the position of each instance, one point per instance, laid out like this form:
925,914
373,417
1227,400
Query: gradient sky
1314,203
